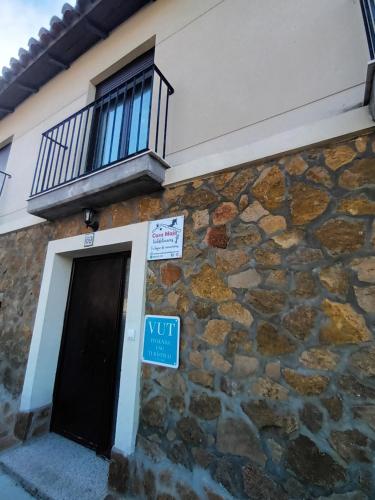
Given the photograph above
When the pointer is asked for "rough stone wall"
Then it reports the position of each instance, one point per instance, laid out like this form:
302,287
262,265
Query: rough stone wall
274,396
21,261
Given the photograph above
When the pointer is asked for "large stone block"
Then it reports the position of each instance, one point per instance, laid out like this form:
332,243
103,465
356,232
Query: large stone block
308,385
234,436
340,236
266,301
259,485
207,284
230,260
269,188
22,425
204,406
312,465
224,213
365,268
119,473
235,312
154,412
344,325
190,431
273,343
307,203
216,331
253,212
352,445
360,174
264,416
338,156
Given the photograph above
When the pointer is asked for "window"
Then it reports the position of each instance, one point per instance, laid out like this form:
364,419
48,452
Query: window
4,155
121,116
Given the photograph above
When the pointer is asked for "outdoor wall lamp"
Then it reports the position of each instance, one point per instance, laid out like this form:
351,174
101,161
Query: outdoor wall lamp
89,218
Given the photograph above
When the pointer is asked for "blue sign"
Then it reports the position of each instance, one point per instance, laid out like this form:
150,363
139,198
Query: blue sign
161,341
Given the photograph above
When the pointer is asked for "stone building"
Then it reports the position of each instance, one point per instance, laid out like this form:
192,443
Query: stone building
253,122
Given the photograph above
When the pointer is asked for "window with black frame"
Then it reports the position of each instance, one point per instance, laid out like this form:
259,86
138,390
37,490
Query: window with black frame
121,117
4,155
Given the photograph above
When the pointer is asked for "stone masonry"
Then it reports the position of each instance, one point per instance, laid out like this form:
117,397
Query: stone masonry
275,393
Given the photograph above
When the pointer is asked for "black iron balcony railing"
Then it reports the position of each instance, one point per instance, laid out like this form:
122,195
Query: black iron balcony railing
127,121
368,12
3,177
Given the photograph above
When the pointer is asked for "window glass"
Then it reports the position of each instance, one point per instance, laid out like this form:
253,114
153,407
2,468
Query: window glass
4,154
121,118
121,122
140,119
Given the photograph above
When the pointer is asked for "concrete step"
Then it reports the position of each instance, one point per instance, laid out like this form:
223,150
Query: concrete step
11,489
54,468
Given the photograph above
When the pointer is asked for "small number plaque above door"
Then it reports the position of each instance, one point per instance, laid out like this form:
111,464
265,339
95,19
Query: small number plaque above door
89,240
161,342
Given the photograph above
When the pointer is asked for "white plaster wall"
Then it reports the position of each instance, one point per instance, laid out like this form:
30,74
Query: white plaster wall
243,71
247,62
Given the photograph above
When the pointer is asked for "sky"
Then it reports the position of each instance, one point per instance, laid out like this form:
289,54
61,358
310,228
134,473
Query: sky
20,20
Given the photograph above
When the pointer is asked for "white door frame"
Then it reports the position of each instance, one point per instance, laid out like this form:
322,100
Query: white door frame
45,343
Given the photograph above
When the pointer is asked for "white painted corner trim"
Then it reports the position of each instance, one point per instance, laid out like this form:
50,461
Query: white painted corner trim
45,343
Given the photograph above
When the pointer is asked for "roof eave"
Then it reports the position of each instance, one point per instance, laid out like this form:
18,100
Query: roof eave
77,31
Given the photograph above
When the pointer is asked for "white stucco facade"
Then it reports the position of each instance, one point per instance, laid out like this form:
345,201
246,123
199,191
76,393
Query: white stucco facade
251,79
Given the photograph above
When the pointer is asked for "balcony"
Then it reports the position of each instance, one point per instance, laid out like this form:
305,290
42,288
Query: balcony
109,151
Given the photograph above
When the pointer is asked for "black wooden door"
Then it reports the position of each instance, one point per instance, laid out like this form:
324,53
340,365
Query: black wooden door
86,380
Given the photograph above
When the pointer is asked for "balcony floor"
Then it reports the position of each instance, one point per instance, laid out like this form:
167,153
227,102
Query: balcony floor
142,174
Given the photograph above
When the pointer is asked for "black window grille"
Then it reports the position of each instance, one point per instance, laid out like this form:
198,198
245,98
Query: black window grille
128,120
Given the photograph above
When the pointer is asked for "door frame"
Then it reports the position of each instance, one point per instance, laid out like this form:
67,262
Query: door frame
48,326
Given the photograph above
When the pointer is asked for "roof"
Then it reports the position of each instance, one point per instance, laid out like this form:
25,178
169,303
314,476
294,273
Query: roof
68,37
